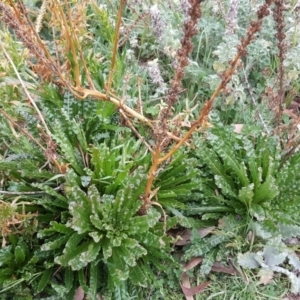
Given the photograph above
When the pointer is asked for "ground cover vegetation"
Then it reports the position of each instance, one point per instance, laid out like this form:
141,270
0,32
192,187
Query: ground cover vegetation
149,149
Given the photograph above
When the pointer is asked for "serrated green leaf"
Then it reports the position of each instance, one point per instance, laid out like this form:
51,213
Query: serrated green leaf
94,279
266,191
68,278
19,255
273,256
289,231
66,147
137,275
91,253
6,256
107,249
5,274
50,191
225,187
44,280
56,244
72,249
82,280
248,260
257,211
246,194
55,227
208,262
166,194
230,160
211,159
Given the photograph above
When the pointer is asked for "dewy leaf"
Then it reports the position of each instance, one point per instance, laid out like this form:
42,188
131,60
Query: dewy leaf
208,262
143,223
259,231
85,180
246,194
76,261
96,236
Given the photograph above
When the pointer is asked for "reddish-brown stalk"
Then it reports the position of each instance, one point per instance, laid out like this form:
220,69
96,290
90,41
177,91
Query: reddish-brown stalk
280,35
255,26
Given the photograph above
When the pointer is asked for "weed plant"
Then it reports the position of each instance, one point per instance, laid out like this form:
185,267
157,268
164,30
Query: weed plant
138,138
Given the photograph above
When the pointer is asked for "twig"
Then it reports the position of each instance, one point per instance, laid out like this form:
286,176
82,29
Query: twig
113,60
29,193
21,129
135,131
25,89
226,77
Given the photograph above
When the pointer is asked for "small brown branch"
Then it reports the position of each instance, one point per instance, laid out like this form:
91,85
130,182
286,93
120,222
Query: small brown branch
28,193
128,122
31,26
226,77
151,177
25,89
280,35
25,132
115,49
70,39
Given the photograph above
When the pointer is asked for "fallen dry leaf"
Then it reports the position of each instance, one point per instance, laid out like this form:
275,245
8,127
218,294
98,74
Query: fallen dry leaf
185,235
187,290
193,263
266,276
218,267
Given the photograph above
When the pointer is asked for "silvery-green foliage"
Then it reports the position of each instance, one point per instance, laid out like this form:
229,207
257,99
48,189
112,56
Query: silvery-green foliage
207,247
107,227
275,257
243,170
244,177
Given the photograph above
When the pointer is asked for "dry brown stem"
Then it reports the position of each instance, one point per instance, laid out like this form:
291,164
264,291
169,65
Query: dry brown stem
115,49
201,121
280,35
